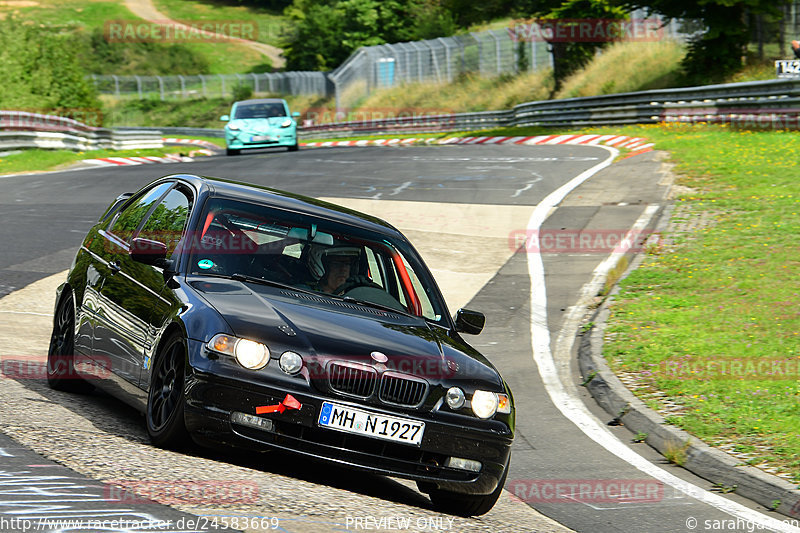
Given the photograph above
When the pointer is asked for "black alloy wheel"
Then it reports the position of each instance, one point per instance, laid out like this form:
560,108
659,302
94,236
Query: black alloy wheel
165,400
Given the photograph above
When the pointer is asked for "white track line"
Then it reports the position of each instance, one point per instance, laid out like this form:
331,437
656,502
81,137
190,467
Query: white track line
571,406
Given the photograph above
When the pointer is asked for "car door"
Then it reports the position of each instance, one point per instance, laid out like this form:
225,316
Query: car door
123,300
166,224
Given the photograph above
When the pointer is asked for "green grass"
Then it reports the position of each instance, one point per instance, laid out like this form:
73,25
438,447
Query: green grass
222,58
725,291
229,58
195,113
271,24
42,160
625,67
87,14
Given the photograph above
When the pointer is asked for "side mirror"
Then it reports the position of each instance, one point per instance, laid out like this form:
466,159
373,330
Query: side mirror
149,252
296,114
470,322
225,118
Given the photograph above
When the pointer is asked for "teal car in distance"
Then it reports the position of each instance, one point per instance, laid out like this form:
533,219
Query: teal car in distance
260,123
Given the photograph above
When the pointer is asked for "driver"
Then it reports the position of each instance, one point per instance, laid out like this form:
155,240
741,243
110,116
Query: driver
332,267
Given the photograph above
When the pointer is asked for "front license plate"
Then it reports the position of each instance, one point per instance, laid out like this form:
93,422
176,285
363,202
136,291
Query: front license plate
260,138
350,420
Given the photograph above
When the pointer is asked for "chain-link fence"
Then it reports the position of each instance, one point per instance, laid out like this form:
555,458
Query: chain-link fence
210,85
488,53
520,47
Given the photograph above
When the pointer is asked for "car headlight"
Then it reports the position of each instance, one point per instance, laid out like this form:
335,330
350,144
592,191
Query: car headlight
484,403
286,123
249,354
233,126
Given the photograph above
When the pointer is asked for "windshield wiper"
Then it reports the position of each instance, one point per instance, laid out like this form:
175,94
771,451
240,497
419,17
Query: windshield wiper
263,281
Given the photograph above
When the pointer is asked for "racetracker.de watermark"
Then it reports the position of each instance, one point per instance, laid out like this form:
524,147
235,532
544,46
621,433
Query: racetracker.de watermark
586,30
580,240
172,492
170,31
35,367
726,368
587,490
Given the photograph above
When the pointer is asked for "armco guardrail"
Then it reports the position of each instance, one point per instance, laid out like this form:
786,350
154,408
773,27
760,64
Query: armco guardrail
193,132
100,139
20,129
762,102
773,103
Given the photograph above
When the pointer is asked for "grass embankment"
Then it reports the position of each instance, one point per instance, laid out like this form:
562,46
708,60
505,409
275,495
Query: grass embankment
711,318
88,16
271,24
195,113
627,67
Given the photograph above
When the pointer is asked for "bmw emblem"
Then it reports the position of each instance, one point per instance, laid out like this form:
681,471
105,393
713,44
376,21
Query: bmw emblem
378,357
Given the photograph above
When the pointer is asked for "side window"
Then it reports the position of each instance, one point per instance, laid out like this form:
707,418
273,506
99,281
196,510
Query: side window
125,223
374,268
427,306
168,219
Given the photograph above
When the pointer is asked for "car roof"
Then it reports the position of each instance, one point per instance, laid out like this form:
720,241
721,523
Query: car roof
261,101
248,192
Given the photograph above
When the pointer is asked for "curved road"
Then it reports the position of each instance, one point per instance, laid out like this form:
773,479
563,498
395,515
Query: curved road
466,208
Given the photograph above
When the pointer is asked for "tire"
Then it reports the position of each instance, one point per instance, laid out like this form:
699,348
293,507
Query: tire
61,373
232,151
294,147
465,504
165,399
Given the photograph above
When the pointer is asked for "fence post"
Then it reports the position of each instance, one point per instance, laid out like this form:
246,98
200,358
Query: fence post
480,53
203,83
183,86
255,82
116,86
447,58
434,62
497,51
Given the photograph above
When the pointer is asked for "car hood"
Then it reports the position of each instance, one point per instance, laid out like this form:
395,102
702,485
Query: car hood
323,329
258,124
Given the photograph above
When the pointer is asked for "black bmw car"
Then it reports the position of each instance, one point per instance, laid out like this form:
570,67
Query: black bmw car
237,315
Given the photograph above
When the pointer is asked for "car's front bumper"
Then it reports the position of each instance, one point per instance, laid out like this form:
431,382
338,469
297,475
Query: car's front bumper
212,399
238,140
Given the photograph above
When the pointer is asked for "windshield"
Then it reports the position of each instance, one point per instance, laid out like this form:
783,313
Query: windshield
308,253
275,109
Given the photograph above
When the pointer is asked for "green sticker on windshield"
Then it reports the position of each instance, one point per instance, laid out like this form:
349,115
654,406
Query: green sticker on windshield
205,264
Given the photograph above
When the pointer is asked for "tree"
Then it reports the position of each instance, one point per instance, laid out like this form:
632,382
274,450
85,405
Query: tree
40,69
325,32
717,51
569,54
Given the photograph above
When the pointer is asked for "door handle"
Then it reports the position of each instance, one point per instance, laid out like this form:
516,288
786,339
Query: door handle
114,267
